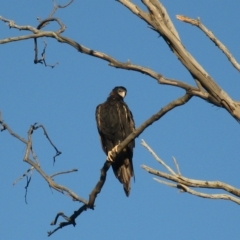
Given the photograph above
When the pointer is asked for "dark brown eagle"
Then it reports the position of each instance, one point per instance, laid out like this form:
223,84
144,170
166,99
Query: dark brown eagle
115,122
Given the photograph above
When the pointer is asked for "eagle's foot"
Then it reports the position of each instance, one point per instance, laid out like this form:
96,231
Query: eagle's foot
112,154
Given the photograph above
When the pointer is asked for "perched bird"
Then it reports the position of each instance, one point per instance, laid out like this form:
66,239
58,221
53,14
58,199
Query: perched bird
115,122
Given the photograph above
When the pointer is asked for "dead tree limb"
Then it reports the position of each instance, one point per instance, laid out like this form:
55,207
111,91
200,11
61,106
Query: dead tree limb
155,17
43,24
199,91
186,184
36,166
219,44
69,220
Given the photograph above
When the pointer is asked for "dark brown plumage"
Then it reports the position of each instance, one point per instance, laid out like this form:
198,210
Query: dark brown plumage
115,122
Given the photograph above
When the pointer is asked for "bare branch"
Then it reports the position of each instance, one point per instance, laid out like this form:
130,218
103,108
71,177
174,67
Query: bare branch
57,6
157,158
26,187
51,183
70,220
41,25
219,44
193,182
184,188
165,183
184,183
97,189
178,102
176,164
167,20
24,175
199,92
64,172
6,127
155,19
48,138
210,196
43,58
35,165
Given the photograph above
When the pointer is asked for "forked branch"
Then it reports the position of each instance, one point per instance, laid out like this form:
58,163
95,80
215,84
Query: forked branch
156,18
186,184
36,165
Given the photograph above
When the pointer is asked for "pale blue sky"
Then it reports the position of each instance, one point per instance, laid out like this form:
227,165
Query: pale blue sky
203,138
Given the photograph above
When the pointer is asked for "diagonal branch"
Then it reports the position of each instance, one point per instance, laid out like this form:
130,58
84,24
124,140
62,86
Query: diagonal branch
157,158
176,103
97,189
219,44
64,172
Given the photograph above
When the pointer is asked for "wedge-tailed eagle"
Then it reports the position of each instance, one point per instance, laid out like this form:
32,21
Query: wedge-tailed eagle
115,122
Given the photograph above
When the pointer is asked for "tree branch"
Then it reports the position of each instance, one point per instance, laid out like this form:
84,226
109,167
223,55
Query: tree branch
219,44
69,220
35,165
184,183
194,91
178,102
155,18
64,172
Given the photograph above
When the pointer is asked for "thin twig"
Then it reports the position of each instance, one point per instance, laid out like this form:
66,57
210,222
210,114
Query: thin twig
64,172
26,187
165,183
50,141
43,58
57,6
176,164
157,158
24,175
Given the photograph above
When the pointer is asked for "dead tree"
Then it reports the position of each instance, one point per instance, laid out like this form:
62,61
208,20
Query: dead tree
204,87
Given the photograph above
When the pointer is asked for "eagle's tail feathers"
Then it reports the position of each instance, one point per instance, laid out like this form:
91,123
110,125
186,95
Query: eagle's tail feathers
125,175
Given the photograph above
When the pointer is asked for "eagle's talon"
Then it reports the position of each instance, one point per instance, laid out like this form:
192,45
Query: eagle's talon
109,157
112,154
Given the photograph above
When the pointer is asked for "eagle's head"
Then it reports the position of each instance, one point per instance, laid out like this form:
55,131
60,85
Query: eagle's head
119,91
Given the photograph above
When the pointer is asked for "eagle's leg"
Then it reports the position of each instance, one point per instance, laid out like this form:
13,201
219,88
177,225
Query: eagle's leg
112,154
